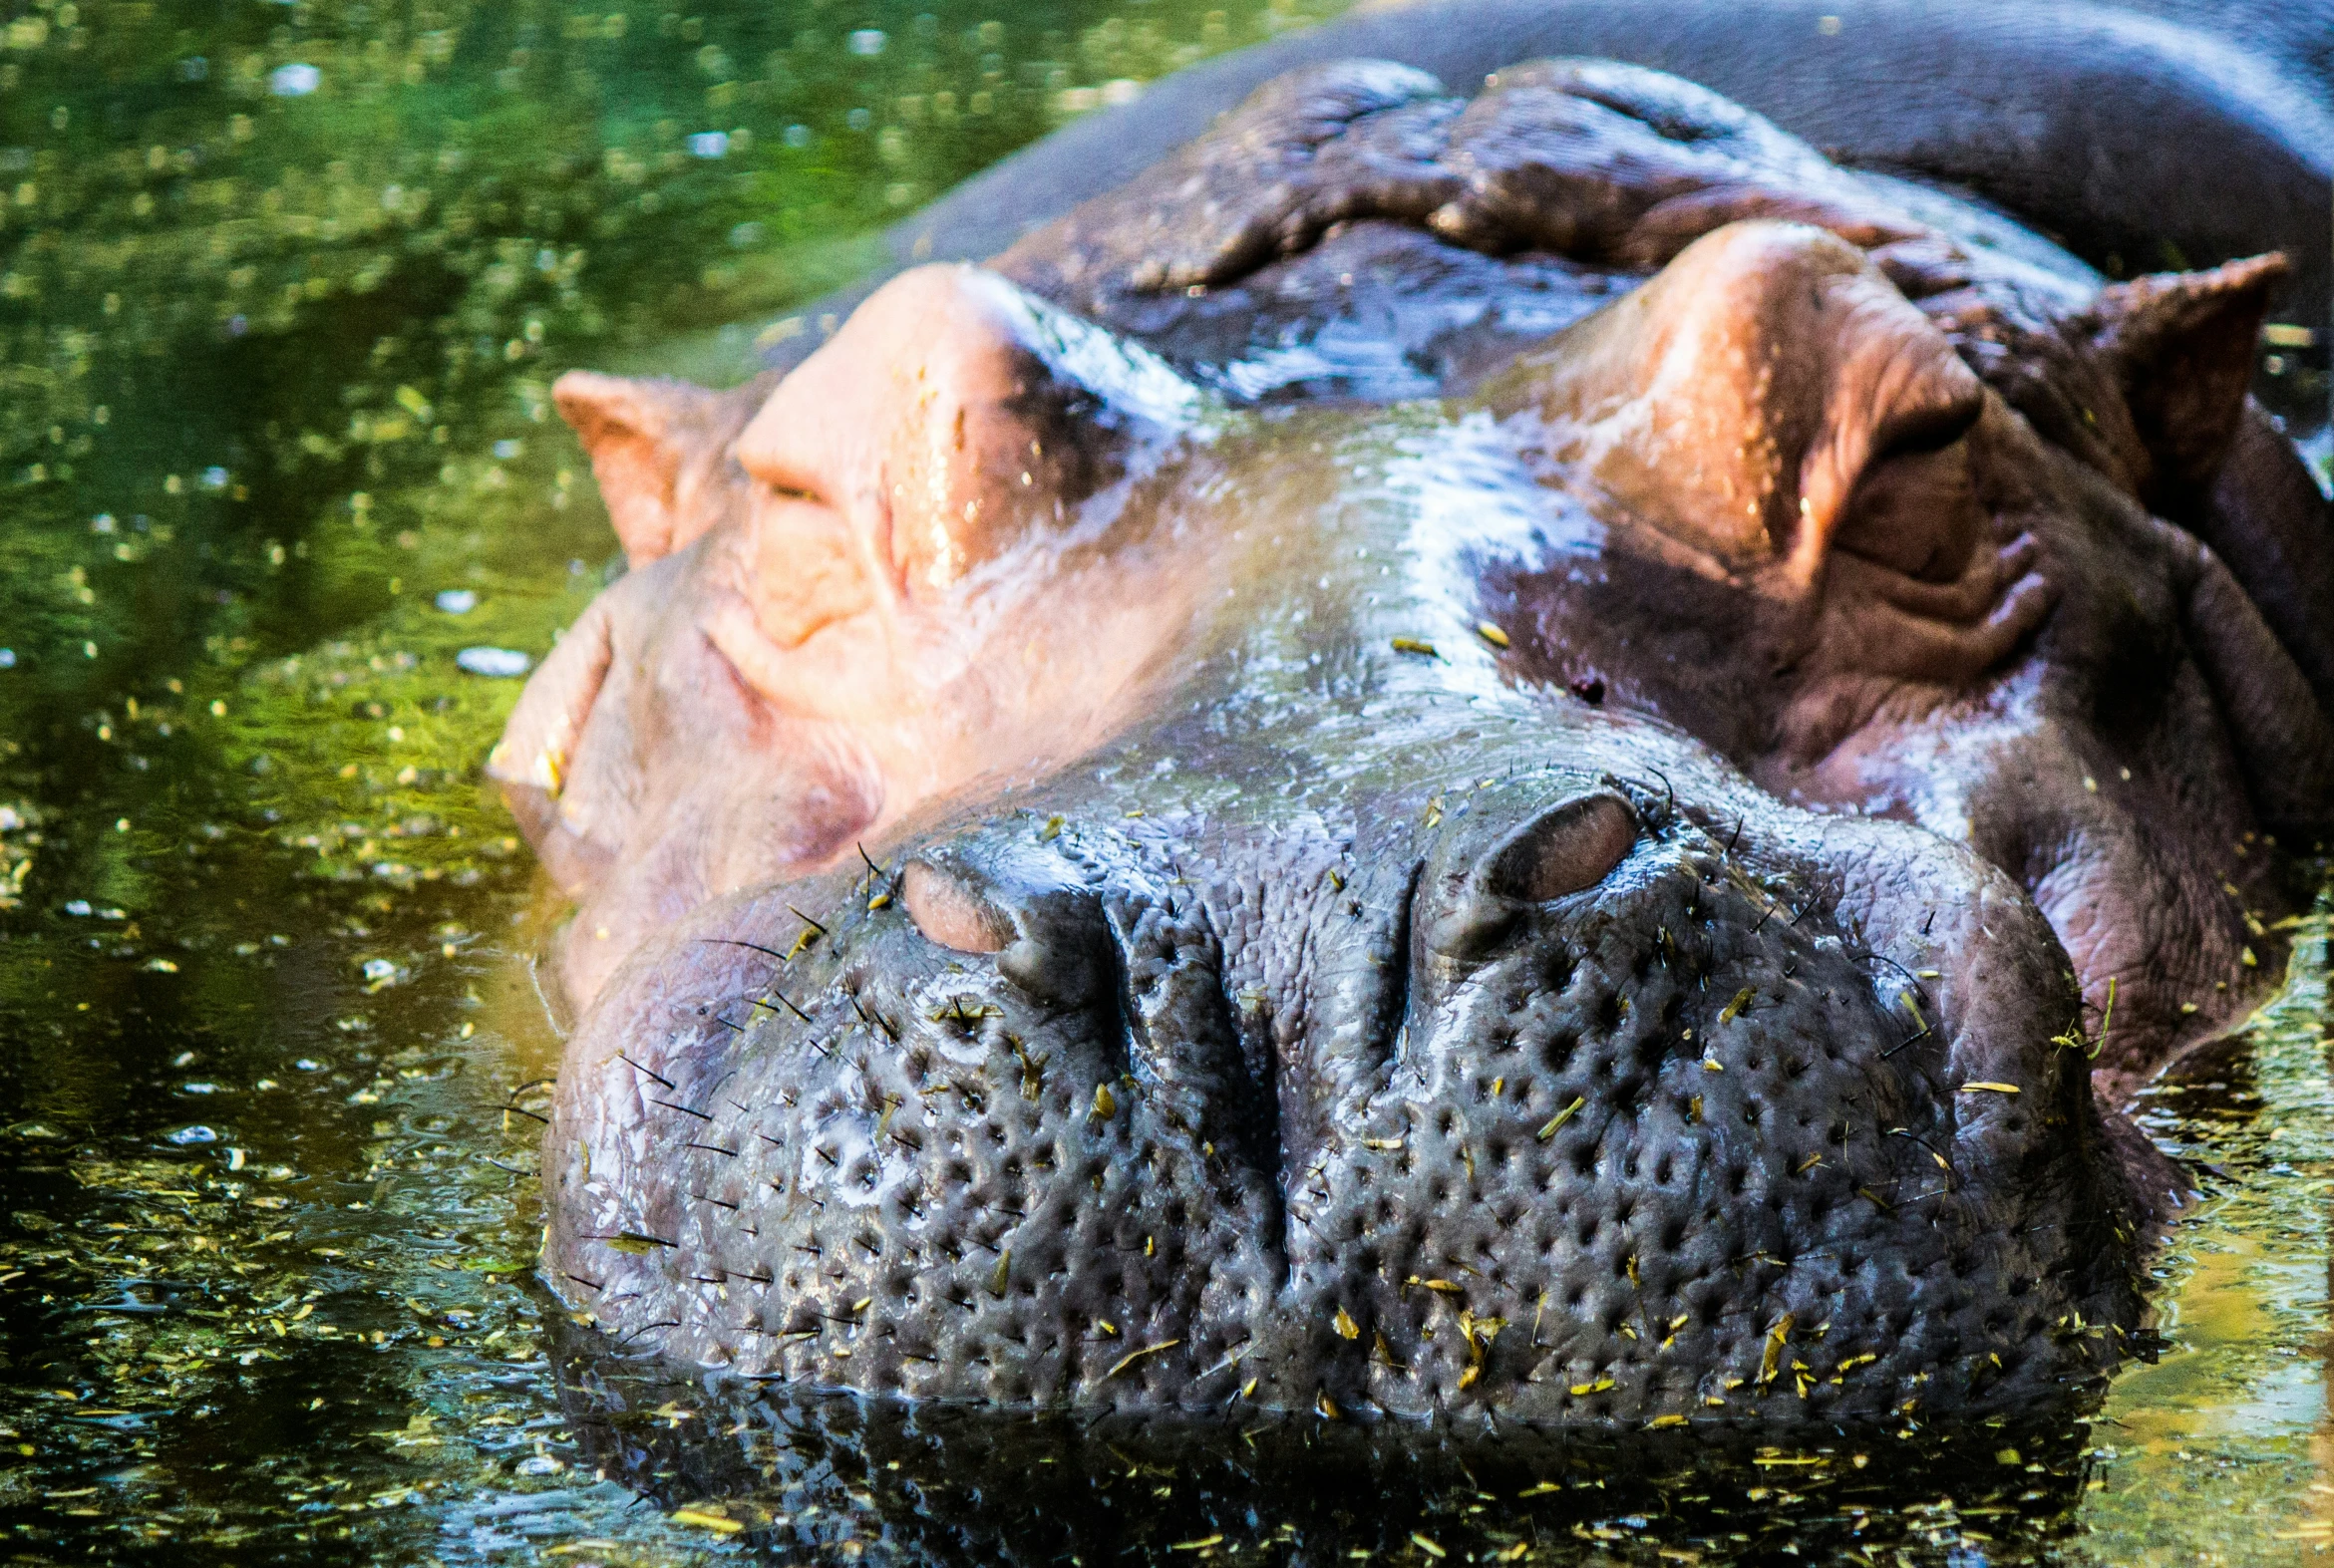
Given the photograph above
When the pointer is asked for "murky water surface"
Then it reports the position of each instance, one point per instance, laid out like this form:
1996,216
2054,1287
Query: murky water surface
282,288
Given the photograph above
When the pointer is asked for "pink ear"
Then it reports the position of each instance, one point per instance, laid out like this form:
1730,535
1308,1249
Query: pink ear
2182,345
660,450
950,418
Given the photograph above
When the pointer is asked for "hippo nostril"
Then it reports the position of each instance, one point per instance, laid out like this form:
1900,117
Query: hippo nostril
1563,850
952,912
1567,848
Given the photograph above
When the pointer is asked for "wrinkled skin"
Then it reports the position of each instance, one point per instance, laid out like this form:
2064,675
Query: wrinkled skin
1263,802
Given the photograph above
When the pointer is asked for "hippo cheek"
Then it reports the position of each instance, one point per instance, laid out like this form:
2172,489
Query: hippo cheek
1662,1149
651,777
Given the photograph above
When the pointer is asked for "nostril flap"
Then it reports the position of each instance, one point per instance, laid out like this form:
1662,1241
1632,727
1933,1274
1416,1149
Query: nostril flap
1567,848
951,911
1563,850
1047,933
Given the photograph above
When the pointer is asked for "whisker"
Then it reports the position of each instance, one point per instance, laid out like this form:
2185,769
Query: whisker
789,1007
731,941
637,1068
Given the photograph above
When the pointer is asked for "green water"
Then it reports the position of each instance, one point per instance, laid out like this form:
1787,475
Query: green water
282,289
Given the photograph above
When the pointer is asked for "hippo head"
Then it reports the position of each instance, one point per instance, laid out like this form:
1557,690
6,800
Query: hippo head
1460,758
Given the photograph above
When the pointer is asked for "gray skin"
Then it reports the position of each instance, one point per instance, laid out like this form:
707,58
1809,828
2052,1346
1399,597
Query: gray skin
1396,1018
1660,1007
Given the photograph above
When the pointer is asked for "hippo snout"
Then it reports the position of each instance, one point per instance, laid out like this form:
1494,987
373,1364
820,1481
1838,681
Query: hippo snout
1545,1100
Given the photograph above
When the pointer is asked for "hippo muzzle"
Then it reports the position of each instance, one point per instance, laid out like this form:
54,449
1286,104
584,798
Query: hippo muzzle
1532,1100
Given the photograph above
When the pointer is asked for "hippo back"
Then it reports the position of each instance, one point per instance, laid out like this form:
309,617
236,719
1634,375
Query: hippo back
2102,123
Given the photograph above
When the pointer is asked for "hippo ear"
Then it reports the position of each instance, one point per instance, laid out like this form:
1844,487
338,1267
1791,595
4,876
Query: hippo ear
646,438
2182,347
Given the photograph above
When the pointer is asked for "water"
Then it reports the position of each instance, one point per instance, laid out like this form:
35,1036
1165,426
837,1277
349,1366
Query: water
282,289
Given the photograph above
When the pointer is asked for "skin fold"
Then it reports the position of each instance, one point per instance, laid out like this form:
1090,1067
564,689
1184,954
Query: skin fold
1517,758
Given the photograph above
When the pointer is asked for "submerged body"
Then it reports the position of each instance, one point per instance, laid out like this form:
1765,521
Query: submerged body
1300,809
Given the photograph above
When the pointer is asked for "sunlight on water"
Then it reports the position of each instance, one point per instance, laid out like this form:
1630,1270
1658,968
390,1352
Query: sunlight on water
2220,1453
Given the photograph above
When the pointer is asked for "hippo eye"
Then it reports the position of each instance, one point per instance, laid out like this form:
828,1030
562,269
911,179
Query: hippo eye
952,912
1569,848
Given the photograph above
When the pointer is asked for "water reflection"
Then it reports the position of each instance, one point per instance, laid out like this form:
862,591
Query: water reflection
799,1474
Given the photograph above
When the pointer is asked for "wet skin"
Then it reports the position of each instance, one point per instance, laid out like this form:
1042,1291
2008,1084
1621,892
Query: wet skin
1570,899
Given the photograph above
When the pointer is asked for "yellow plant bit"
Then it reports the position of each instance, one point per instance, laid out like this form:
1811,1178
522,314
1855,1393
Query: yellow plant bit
1491,634
1734,1010
1431,1548
1105,1105
1347,1329
1561,1117
1984,1086
1911,1002
704,1520
634,1243
1771,1361
997,1279
1326,1406
1132,1357
1416,645
1660,1422
1540,1490
1199,1545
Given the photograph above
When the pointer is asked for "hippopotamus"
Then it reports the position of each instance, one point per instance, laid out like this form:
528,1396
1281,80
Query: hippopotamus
1502,749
